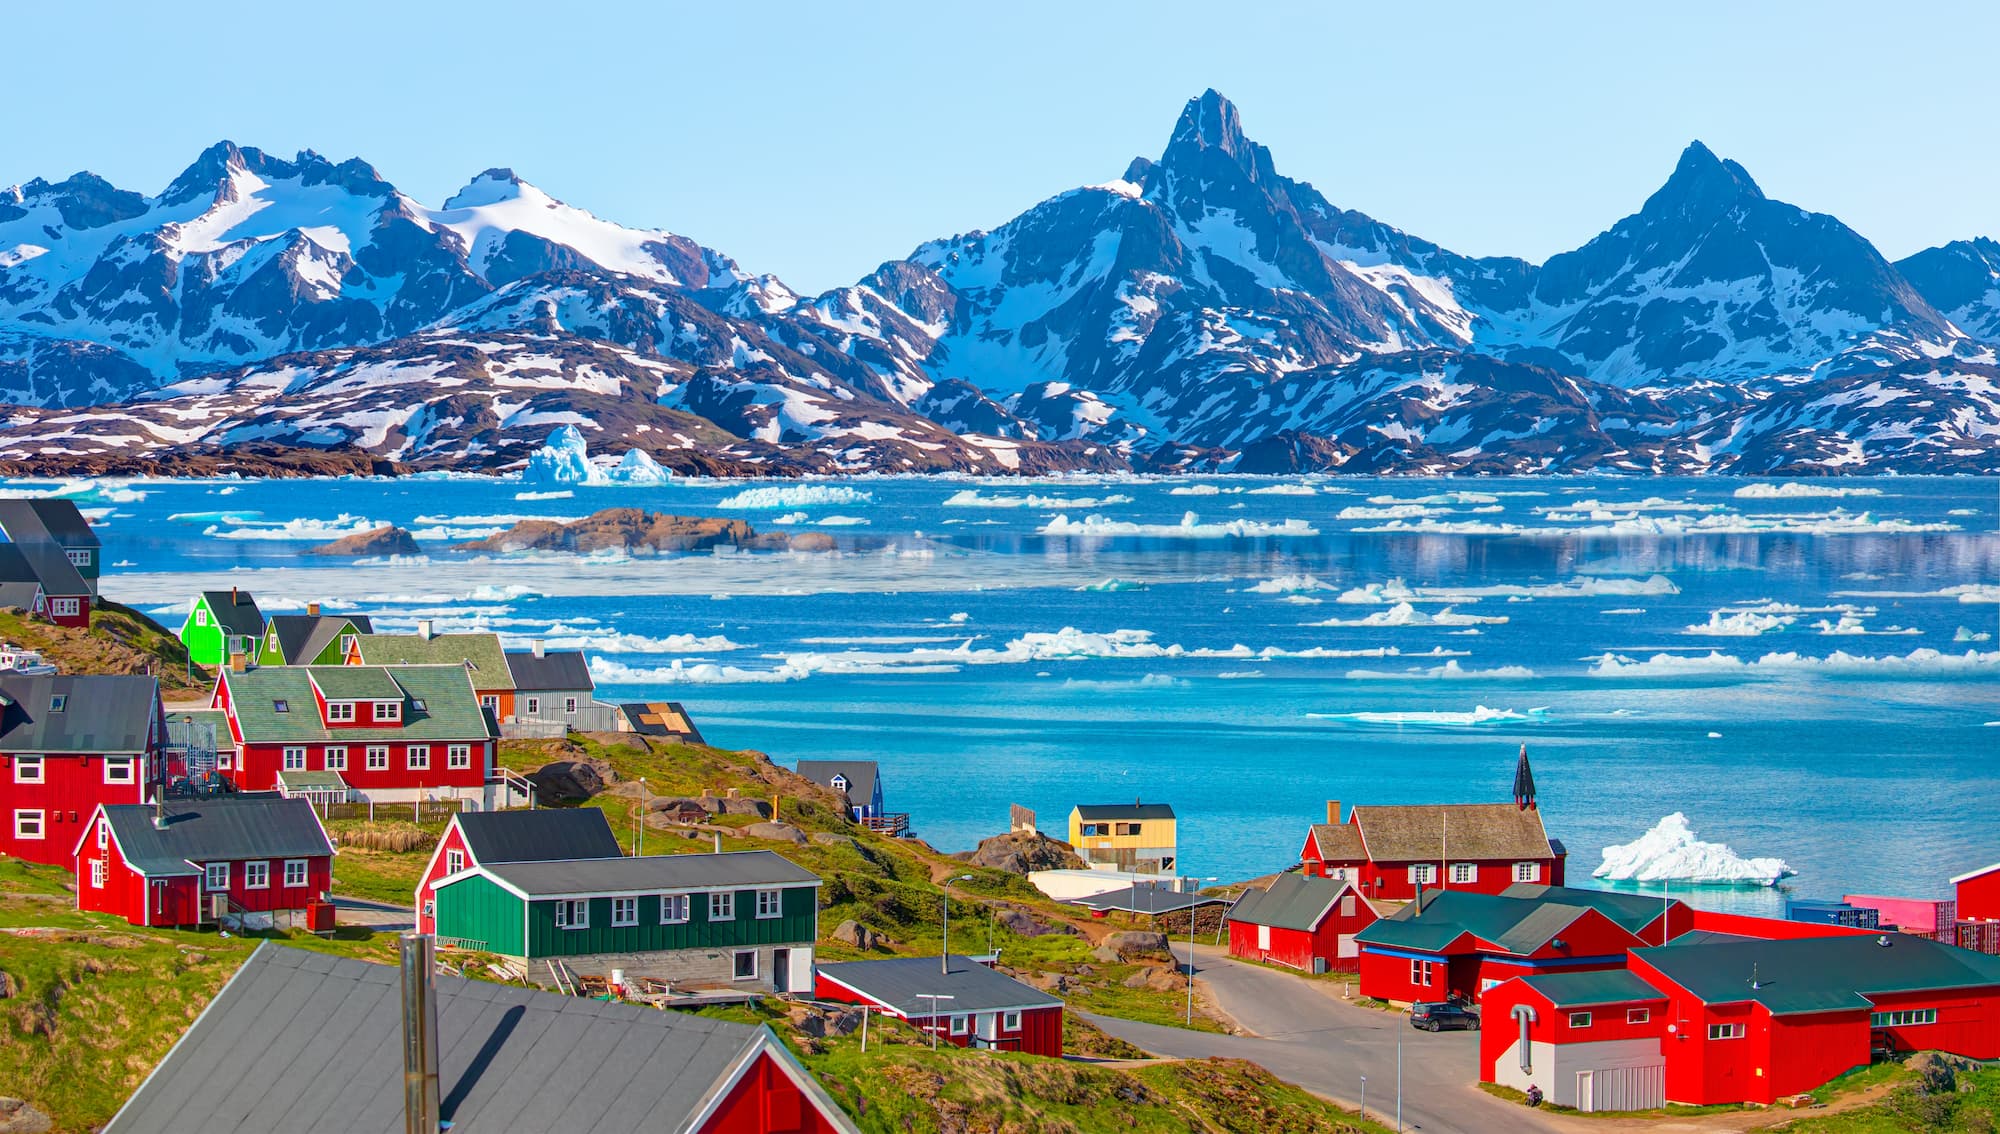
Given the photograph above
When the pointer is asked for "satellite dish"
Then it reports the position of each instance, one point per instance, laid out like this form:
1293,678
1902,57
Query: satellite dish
1672,1028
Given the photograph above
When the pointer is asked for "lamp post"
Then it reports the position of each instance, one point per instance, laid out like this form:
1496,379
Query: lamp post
639,822
1192,895
1363,1113
944,949
1399,1080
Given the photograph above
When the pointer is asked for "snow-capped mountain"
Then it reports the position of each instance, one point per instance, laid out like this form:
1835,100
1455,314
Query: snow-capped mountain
1201,310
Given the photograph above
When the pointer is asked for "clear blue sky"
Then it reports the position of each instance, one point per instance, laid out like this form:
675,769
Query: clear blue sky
816,140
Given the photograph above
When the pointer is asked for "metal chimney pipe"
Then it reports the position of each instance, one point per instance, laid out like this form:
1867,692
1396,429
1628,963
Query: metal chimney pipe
420,1041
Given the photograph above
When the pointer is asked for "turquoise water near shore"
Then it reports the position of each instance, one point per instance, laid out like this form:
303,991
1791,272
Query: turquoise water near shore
1814,677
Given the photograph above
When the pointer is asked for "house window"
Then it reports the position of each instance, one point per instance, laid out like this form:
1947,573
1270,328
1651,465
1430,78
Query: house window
534,705
722,906
1128,828
961,1025
454,861
767,903
1010,1022
1725,1031
201,616
78,556
103,834
1527,872
838,783
280,705
63,607
1420,972
336,758
215,876
1579,1019
225,760
256,875
295,759
420,756
1902,1019
388,710
745,967
58,702
458,756
573,913
1347,905
673,909
97,873
490,701
569,705
119,770
1423,873
378,757
346,644
28,770
295,872
624,911
28,824
430,909
340,710
1464,873
1638,1015
417,705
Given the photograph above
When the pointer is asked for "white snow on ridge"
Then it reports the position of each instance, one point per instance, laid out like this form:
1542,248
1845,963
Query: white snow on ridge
1670,853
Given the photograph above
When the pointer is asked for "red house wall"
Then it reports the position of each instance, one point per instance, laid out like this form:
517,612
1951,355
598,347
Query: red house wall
1499,1030
1296,948
258,765
1979,897
1767,928
766,1101
453,839
81,619
1040,1033
1968,1022
72,788
1386,976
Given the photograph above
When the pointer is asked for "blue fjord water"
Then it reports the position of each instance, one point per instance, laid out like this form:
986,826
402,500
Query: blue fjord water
1814,677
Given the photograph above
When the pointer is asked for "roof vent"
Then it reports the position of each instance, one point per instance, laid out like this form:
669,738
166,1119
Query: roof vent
58,702
541,649
1884,941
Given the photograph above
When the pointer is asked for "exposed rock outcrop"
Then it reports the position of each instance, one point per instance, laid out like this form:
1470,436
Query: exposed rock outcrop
631,530
385,540
1019,853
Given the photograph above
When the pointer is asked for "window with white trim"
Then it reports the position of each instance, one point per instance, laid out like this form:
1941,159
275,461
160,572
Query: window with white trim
1527,872
458,756
1579,1019
1725,1031
201,616
768,903
1421,972
1010,1022
624,911
534,705
388,710
256,876
1464,873
342,711
78,556
419,758
97,870
295,872
1424,873
29,823
121,770
336,757
1347,905
572,913
1638,1015
295,759
744,965
454,861
961,1024
722,905
103,833
673,909
1903,1018
215,876
30,770
64,607
569,705
430,909
225,759
378,757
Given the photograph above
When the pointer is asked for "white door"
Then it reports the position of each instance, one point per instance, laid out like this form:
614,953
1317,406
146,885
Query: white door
801,978
1264,937
1586,1091
1346,946
989,1026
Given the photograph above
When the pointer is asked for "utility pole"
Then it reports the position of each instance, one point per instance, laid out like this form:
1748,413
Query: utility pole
934,997
1363,1113
944,947
1399,1080
1192,895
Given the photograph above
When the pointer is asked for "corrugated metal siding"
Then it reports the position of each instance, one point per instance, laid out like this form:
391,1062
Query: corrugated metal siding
798,924
479,910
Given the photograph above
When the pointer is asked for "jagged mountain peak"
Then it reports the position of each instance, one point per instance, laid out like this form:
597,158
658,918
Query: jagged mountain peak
1208,132
1703,185
491,186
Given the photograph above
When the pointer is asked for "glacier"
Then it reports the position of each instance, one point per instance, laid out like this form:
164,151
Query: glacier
1670,853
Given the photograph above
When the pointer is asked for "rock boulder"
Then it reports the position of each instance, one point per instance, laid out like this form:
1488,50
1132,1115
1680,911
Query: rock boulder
1020,853
778,832
385,540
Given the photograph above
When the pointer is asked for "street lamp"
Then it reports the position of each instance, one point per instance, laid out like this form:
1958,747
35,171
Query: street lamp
1192,895
944,949
1363,1113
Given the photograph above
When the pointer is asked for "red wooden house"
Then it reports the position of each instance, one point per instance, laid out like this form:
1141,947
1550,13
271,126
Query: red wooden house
48,560
68,744
1979,894
383,733
241,861
1301,922
974,1006
1458,941
486,838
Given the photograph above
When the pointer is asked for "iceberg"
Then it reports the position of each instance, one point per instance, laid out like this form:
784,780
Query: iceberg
638,467
565,459
1670,853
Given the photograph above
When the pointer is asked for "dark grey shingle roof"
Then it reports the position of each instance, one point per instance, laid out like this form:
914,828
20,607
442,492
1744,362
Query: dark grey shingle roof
311,1044
1147,900
302,636
43,562
1093,811
542,835
650,873
1293,901
101,713
235,611
555,670
231,827
899,983
860,776
58,520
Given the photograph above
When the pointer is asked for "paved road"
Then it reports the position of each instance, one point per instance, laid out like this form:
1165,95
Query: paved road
1306,1034
378,916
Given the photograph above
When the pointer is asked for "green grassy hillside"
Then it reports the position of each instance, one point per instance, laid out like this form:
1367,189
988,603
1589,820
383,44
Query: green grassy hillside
120,640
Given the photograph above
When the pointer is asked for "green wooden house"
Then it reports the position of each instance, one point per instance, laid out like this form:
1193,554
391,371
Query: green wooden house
740,920
311,638
222,623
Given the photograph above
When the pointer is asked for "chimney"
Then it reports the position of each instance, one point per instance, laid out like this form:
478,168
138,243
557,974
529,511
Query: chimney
420,1041
426,629
159,813
541,650
312,610
238,663
1333,812
233,600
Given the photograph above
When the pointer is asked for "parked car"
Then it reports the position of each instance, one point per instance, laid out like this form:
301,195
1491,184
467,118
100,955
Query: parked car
1442,1017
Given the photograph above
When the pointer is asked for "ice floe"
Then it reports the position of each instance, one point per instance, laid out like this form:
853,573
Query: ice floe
1395,590
1740,624
1190,527
558,494
1449,671
1801,490
1403,614
1925,660
973,498
1480,715
794,496
1670,853
1112,586
570,638
1289,585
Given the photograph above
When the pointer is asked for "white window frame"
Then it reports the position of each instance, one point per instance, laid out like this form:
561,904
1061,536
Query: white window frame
1527,872
208,879
127,765
770,904
103,833
1579,1019
1347,905
572,913
31,769
31,823
1638,1015
674,909
295,752
722,905
257,875
458,756
297,865
1903,1018
569,705
1725,1031
454,861
378,757
388,711
336,757
201,616
78,556
1010,1021
63,608
97,873
961,1024
624,912
225,760
738,955
1464,873
417,757
490,701
534,705
340,712
1424,873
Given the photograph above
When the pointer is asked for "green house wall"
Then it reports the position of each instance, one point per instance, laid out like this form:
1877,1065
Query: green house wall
269,654
204,643
798,923
477,909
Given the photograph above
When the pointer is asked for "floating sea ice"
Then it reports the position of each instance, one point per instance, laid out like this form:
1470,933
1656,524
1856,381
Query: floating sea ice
1799,490
1190,527
1289,585
1670,853
1965,635
794,496
564,459
1113,586
961,616
1478,716
1740,624
559,494
1715,736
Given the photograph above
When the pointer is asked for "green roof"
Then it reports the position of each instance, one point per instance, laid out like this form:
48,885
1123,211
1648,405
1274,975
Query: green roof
1819,974
451,710
1582,990
1632,912
481,654
1519,923
355,683
311,781
1293,901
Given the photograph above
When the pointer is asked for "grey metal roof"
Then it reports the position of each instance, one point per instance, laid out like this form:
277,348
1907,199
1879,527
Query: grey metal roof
43,562
113,713
900,982
1124,811
59,520
263,825
1147,900
541,835
235,611
1293,901
307,1043
860,776
732,869
555,670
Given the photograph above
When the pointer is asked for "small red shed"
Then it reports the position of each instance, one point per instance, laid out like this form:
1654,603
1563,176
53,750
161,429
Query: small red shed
241,860
1302,923
957,999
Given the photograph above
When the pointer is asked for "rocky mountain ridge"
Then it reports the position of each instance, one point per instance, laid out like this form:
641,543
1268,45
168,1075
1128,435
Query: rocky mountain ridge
1202,311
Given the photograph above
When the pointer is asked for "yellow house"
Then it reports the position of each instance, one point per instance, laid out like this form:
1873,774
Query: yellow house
1136,837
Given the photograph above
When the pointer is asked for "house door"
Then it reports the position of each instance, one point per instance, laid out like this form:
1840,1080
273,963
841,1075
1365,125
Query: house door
1586,1091
989,1026
781,970
1264,938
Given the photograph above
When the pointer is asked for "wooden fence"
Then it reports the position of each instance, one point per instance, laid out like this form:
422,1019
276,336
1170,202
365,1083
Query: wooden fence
429,811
